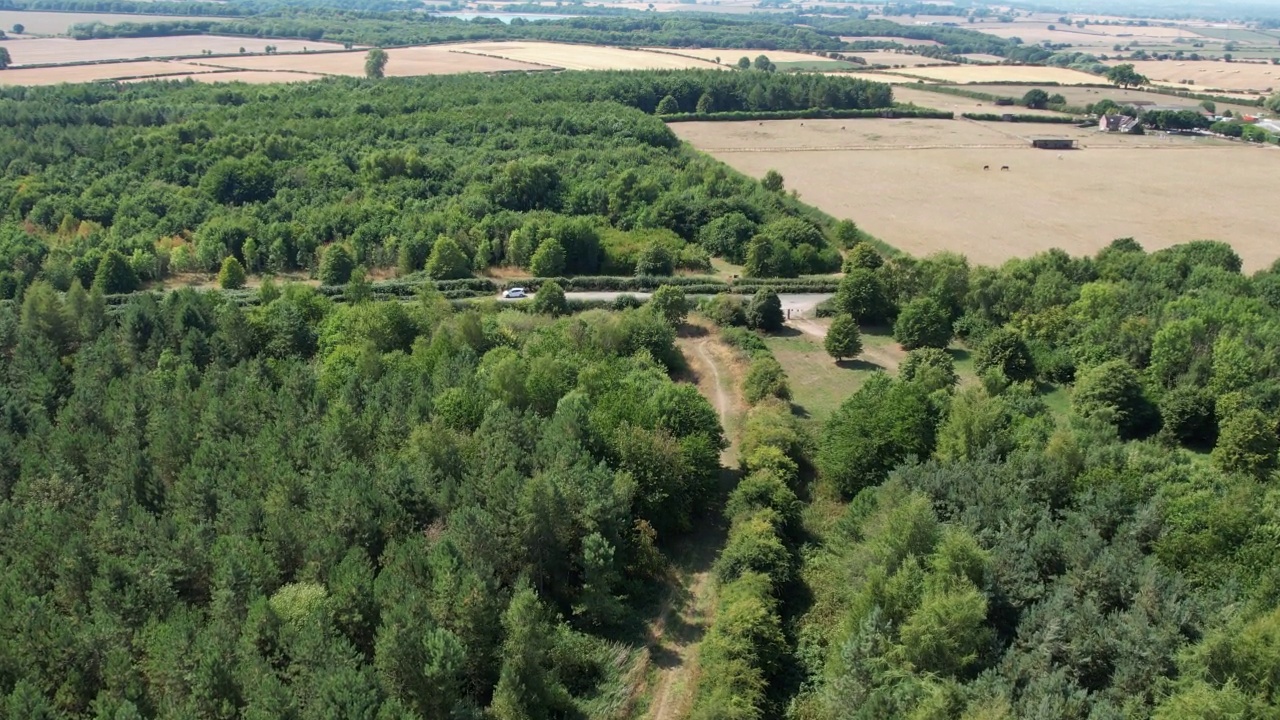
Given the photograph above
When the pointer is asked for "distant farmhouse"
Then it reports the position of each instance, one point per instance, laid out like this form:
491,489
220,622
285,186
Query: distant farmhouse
1116,123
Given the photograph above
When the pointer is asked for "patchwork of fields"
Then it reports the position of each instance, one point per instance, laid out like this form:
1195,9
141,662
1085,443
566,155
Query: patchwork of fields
920,186
49,51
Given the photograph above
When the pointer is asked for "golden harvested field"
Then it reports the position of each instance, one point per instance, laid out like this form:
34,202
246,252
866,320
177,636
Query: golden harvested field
49,51
729,57
880,174
886,38
1236,76
1085,95
982,58
582,57
890,58
876,77
1096,35
252,77
958,104
90,73
401,62
57,23
1002,73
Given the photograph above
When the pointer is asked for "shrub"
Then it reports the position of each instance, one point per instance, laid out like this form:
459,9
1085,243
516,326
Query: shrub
1187,417
764,312
862,255
550,300
231,276
654,260
863,296
725,310
765,379
933,368
923,322
1247,444
670,302
447,261
336,266
548,260
115,275
844,339
1113,392
1004,351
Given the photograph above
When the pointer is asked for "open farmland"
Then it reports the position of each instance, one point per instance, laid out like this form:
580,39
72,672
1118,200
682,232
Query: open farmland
582,57
1234,76
892,59
109,71
57,23
401,62
1002,73
730,56
959,104
919,184
57,51
1094,35
876,77
252,77
885,38
1083,96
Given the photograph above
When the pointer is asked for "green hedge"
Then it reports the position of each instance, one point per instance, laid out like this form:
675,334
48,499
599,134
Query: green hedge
1049,119
814,114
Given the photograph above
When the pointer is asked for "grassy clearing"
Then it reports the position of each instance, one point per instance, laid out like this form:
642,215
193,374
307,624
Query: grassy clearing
818,383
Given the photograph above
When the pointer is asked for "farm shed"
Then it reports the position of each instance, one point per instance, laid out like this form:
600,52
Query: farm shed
1053,144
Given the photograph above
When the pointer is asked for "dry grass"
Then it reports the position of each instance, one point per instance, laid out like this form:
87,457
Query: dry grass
1095,35
1002,73
892,59
730,56
583,57
252,77
1235,76
886,38
1083,96
877,77
57,23
958,104
983,58
919,185
90,73
50,51
401,62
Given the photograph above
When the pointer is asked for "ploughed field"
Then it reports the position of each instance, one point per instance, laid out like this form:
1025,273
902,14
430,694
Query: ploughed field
920,186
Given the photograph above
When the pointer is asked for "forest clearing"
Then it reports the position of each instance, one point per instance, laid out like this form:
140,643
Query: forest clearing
1069,200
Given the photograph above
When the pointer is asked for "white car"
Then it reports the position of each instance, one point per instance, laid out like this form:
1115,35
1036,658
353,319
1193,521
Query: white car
514,293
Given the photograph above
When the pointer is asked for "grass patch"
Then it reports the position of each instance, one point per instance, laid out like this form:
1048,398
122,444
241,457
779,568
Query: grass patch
818,65
1058,399
818,383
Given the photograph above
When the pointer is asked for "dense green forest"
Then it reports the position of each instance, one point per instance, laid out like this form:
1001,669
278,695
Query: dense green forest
1001,557
406,28
118,186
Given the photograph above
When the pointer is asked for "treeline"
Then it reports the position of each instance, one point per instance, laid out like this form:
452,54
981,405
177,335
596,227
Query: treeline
450,175
197,7
301,509
1007,551
957,40
390,28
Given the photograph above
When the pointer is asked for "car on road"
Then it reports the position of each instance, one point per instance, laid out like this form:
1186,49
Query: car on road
513,293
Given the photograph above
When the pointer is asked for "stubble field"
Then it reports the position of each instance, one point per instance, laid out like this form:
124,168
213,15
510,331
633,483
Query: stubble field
919,185
51,51
730,56
57,23
401,62
586,57
89,73
1001,74
251,77
1236,76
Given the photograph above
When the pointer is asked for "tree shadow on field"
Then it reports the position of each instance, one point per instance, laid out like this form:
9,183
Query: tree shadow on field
958,355
787,331
859,365
692,331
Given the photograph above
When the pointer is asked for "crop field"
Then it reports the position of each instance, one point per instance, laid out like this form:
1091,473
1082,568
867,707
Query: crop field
1096,35
252,77
1235,76
959,104
1002,73
583,57
1083,96
730,56
1240,35
886,38
401,62
880,77
919,185
54,51
891,59
57,23
982,58
90,73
